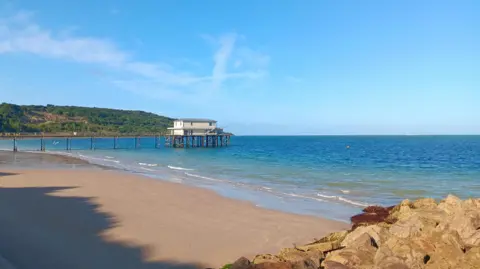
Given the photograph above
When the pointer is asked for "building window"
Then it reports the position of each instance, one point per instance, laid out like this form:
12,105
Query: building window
210,123
191,123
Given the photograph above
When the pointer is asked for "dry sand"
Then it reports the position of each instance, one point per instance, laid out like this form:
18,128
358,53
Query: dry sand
105,219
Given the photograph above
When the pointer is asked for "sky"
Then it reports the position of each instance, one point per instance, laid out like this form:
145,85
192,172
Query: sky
258,67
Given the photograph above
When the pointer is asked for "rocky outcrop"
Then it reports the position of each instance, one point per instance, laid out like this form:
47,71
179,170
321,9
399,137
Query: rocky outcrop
411,235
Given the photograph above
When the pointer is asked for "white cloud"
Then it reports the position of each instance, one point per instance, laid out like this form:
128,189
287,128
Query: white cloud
20,34
227,42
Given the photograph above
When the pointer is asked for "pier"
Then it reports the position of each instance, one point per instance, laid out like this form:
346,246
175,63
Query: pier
170,140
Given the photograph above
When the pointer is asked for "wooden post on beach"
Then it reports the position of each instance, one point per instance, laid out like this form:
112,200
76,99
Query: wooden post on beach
15,149
42,144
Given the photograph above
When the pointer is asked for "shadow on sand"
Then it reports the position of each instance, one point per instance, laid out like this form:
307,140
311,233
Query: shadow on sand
40,231
3,174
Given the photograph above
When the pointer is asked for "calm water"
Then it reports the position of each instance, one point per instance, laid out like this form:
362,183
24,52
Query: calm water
333,176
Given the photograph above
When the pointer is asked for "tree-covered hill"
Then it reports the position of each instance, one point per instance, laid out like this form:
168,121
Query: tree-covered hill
62,119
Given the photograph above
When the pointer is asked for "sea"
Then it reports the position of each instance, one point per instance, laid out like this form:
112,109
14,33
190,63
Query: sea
328,176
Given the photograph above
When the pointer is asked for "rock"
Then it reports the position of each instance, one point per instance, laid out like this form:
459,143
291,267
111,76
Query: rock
410,235
297,256
241,263
471,260
306,264
451,204
359,253
377,233
411,252
337,236
425,203
321,247
334,265
473,240
400,211
412,226
391,263
272,265
262,258
448,249
465,219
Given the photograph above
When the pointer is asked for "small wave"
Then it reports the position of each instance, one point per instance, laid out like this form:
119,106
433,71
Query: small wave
340,198
148,164
352,202
203,177
345,191
305,197
148,169
109,157
179,168
327,196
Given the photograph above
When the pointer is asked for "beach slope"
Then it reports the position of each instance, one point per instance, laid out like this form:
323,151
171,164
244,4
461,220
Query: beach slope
108,219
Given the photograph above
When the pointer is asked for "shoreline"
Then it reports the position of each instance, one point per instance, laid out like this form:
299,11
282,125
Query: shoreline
168,221
66,160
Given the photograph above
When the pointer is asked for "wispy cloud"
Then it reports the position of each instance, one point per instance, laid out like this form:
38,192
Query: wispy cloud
20,34
227,42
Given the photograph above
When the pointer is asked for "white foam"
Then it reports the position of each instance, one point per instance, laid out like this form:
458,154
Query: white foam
148,164
203,177
340,198
109,157
148,169
179,168
305,197
353,202
345,191
327,196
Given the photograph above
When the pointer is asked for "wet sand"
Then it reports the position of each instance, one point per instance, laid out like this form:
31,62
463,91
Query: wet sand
84,218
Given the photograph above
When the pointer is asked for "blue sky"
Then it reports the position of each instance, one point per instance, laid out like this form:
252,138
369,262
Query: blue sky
258,67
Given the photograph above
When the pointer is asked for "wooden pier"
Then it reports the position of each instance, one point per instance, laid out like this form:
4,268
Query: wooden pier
175,141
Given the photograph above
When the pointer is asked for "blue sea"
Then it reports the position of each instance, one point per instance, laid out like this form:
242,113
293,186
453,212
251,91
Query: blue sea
329,176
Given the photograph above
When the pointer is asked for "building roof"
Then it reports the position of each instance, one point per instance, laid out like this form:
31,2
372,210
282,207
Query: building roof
196,120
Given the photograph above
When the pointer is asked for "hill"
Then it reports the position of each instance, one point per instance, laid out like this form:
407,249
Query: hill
60,119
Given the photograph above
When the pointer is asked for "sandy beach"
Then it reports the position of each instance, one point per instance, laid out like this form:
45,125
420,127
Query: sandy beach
68,218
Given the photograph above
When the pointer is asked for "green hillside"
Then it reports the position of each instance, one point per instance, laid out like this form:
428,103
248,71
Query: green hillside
62,119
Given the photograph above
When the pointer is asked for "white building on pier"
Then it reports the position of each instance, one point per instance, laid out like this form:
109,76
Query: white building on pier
196,127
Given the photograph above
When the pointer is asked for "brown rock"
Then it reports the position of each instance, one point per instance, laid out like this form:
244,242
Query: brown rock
321,247
241,263
300,258
391,263
377,233
411,252
359,254
335,265
261,258
272,265
425,203
451,204
337,236
471,259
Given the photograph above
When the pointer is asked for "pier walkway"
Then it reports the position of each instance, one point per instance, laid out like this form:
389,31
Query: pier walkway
176,141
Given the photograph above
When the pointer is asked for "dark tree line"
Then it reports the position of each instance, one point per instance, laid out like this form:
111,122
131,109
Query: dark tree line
51,119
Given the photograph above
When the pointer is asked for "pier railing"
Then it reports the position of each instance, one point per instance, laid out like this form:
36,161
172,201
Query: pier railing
176,141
